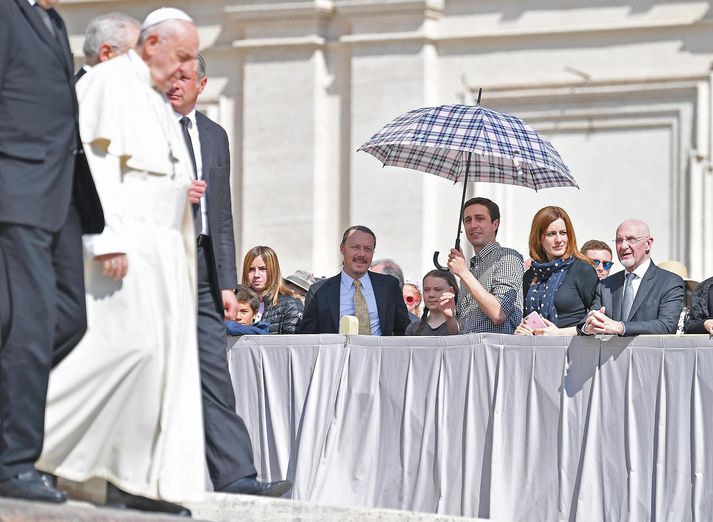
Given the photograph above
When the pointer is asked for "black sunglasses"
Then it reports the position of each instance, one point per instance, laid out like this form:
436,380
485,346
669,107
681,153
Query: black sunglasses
606,264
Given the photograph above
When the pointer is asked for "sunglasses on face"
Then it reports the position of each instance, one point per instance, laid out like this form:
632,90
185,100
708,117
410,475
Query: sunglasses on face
605,264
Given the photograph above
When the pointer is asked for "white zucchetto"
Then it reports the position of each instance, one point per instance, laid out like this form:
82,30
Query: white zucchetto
163,14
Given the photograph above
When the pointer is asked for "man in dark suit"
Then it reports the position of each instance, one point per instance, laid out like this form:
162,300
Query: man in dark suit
375,299
44,208
642,299
229,452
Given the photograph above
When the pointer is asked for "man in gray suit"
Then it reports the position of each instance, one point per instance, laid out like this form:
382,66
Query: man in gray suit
228,448
44,207
643,298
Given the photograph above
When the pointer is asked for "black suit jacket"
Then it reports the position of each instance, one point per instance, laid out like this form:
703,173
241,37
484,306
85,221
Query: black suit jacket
321,314
215,156
38,127
656,308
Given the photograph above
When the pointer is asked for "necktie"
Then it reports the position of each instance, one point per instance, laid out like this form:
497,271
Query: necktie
45,18
185,121
628,296
361,310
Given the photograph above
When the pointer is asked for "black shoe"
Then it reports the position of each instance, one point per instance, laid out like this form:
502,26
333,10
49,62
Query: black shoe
30,486
120,499
250,486
49,479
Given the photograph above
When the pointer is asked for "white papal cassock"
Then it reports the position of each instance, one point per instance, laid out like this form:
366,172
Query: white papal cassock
125,405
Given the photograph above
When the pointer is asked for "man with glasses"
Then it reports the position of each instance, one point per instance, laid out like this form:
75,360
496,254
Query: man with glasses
641,299
600,253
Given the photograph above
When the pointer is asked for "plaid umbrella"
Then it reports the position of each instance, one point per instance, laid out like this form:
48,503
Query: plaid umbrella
455,141
470,143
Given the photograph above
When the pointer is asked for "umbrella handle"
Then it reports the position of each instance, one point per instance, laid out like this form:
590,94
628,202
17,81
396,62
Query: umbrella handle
438,265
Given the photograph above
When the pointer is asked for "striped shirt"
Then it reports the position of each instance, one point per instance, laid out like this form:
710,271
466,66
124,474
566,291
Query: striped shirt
500,272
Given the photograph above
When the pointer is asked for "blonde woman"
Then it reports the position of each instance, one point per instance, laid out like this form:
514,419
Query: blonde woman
261,272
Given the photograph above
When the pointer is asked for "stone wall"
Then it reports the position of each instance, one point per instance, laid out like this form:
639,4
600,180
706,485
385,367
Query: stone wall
622,89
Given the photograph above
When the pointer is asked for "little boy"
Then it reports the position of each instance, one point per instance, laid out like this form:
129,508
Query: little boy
248,304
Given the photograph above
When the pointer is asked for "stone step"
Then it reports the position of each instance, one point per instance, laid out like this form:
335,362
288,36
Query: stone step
217,507
12,510
221,507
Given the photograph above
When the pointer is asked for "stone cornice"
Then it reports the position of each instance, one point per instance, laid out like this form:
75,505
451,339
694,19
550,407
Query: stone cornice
430,8
280,11
601,87
276,43
527,32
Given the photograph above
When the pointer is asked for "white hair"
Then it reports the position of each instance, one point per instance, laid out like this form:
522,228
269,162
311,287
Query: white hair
112,28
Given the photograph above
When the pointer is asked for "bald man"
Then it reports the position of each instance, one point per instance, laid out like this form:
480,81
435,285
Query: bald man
641,299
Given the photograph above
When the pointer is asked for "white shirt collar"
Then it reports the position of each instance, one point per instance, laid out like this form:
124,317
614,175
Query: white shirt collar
32,2
191,116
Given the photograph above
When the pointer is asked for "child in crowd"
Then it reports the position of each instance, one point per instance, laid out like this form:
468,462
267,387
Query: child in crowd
248,304
440,292
412,298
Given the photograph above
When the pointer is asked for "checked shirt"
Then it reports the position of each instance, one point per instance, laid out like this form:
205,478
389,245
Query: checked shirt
500,271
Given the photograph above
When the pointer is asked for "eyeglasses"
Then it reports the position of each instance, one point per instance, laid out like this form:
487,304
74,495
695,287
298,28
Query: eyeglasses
605,264
629,240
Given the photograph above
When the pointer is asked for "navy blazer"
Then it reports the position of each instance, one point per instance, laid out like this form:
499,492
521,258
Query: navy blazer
656,308
38,127
321,313
215,156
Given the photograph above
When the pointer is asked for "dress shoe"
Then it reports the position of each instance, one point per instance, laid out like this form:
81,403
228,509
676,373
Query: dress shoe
118,498
30,486
49,479
251,486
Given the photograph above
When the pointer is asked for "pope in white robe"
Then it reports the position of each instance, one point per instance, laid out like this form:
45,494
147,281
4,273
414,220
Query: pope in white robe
125,405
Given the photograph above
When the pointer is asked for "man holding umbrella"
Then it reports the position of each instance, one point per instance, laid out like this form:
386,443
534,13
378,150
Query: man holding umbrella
491,289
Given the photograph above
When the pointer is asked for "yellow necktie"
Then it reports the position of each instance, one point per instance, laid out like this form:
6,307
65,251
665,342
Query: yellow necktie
361,310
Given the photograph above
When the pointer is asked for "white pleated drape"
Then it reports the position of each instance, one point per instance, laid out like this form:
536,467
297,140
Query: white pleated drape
495,426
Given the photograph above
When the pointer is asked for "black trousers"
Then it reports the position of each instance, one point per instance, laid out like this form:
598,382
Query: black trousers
42,312
228,448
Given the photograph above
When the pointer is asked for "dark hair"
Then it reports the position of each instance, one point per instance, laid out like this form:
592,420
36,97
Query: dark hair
493,208
357,228
448,278
245,294
390,268
595,244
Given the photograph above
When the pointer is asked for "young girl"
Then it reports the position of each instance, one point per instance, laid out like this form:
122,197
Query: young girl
440,291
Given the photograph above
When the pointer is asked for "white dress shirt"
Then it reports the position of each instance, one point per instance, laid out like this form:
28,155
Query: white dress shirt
196,141
640,272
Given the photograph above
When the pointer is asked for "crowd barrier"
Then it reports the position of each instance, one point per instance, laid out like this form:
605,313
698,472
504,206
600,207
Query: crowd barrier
494,426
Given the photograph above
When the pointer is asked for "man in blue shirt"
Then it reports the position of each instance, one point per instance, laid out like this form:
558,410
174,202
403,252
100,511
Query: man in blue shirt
375,299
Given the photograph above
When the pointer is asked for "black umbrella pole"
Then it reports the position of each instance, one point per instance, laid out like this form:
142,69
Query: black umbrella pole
462,201
460,216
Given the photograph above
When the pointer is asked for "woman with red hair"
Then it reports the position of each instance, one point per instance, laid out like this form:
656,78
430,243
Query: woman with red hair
561,282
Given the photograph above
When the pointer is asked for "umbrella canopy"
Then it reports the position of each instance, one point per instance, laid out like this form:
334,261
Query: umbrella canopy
470,142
